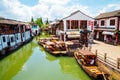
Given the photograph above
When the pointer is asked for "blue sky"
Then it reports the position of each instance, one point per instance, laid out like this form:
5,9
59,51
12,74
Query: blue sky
23,10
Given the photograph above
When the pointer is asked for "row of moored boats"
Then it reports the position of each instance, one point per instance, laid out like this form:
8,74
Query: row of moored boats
86,59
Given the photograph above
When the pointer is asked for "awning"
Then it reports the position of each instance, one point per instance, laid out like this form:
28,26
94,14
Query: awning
73,33
73,36
108,33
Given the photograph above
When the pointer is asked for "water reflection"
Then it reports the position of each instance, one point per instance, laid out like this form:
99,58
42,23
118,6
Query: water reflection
68,66
10,65
32,62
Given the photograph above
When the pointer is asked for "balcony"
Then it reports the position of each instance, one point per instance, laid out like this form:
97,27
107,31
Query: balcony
104,28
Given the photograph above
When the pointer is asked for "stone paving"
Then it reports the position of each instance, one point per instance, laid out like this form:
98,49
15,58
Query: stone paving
111,50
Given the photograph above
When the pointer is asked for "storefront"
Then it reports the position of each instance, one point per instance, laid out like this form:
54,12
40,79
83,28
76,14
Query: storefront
109,37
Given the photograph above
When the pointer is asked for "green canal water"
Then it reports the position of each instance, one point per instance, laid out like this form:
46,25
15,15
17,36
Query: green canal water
32,62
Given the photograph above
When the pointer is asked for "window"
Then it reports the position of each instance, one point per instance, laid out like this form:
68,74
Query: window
95,23
68,24
61,25
23,34
12,39
102,23
4,40
34,26
83,24
112,22
17,37
74,24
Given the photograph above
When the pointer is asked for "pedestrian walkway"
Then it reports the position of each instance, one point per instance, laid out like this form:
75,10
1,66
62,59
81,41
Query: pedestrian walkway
111,50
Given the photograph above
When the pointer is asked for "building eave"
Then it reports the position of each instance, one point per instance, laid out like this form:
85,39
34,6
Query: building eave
78,11
108,14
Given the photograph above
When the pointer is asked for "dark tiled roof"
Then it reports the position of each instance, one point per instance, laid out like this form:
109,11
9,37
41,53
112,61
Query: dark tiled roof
1,17
10,21
108,14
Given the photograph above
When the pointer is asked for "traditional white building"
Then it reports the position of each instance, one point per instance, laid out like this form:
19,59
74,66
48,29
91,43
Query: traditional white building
13,34
70,26
106,26
35,29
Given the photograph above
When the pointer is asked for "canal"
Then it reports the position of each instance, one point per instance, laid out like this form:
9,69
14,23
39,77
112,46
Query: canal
32,62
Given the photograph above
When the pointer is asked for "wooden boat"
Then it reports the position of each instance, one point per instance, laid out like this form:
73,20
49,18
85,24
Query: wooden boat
42,41
87,61
72,47
57,47
54,50
53,45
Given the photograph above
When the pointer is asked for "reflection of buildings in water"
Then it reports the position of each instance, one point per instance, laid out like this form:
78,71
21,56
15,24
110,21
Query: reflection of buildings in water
67,65
49,56
10,65
70,66
24,67
37,38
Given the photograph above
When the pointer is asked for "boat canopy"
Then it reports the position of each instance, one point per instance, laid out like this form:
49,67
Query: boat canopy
85,52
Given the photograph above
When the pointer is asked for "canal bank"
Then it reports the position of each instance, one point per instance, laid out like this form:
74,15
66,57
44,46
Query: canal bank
32,62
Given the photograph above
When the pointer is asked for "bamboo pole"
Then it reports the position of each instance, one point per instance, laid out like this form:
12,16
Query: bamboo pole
96,52
84,47
90,48
118,63
105,57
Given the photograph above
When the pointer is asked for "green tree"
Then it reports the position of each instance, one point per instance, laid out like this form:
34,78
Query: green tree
47,22
39,22
32,20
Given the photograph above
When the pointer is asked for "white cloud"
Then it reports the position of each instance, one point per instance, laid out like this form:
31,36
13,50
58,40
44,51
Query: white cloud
39,10
51,9
110,7
17,10
54,2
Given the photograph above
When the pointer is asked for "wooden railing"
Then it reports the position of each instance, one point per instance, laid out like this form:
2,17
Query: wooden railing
113,63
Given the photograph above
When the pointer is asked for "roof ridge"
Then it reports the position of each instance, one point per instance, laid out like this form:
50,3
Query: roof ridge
77,12
108,14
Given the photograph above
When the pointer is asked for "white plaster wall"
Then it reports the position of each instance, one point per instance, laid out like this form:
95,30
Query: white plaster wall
23,37
4,44
34,30
64,23
0,43
19,37
27,35
119,24
107,22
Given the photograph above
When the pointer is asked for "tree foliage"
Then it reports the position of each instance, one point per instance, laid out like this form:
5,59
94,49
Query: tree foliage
32,20
47,22
39,22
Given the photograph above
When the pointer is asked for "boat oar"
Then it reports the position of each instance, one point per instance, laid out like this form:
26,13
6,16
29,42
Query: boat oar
102,73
